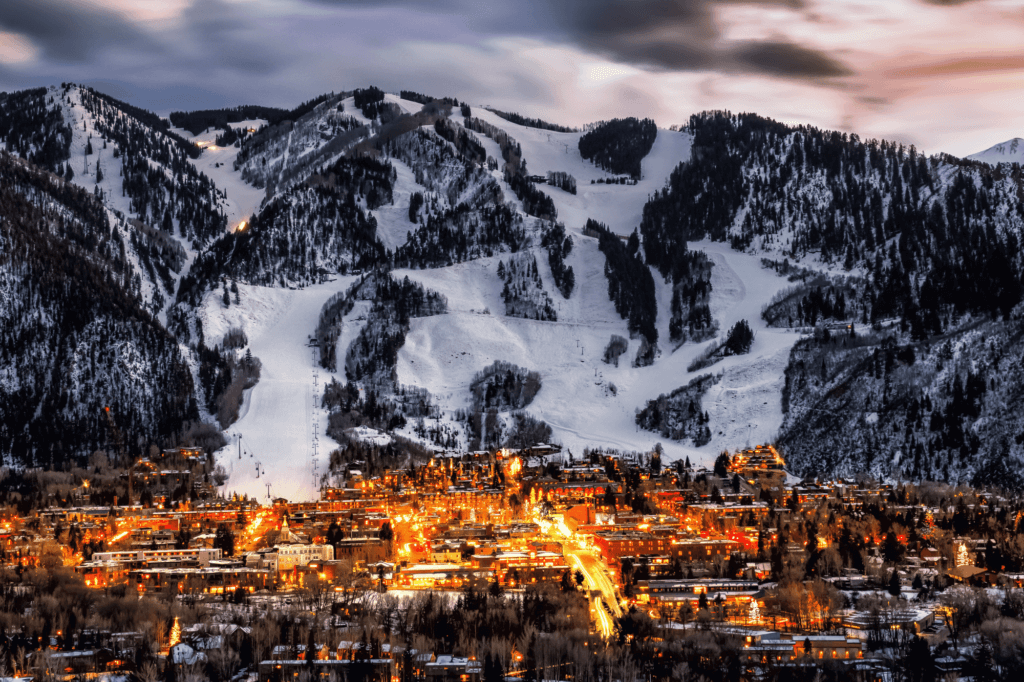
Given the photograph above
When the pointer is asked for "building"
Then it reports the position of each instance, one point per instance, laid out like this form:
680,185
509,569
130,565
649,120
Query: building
787,649
141,558
205,580
702,549
283,558
613,545
372,670
454,669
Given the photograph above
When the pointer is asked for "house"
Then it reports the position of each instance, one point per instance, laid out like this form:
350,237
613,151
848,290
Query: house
454,668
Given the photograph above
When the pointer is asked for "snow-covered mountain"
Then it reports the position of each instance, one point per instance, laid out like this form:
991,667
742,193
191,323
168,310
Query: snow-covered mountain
75,333
1011,151
422,241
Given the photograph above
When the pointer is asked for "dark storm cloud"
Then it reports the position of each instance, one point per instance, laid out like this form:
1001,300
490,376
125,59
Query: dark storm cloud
675,35
69,32
787,59
683,35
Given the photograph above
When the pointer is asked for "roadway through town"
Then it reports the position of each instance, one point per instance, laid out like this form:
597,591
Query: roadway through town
595,573
605,602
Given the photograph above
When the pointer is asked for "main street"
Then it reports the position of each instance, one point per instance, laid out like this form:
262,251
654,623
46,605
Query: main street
595,574
603,591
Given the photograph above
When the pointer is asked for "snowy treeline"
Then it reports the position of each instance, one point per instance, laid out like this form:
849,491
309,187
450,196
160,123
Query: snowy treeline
439,168
630,284
32,126
559,246
464,216
882,404
519,119
535,202
499,388
816,299
511,151
523,291
316,228
283,154
562,180
504,386
374,353
464,143
939,237
617,346
165,189
330,325
371,358
680,415
619,145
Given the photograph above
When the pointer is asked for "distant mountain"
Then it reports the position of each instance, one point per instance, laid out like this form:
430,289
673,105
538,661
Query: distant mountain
1011,151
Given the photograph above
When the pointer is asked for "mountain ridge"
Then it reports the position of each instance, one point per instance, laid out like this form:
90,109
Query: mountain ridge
909,231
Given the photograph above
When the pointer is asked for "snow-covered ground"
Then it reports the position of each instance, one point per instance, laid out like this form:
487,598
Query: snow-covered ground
1011,151
243,200
443,353
280,418
620,207
393,224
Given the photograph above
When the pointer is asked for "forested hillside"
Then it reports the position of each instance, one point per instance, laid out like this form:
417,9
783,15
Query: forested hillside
618,146
630,284
465,215
286,152
163,188
316,228
949,408
905,373
938,236
74,335
32,126
933,246
196,122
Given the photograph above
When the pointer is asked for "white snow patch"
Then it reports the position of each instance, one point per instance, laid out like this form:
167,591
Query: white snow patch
282,415
1011,151
442,354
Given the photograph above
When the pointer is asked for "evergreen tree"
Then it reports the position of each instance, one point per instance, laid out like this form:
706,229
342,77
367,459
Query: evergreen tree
741,337
895,589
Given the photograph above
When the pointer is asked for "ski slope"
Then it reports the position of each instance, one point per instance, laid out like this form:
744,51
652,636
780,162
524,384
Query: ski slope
443,353
281,424
620,207
587,402
243,200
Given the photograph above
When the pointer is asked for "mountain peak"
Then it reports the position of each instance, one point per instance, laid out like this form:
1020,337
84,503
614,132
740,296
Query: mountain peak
1011,151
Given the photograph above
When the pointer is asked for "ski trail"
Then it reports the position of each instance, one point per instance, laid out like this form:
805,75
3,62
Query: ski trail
283,425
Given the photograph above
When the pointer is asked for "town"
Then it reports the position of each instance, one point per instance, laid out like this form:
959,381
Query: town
532,564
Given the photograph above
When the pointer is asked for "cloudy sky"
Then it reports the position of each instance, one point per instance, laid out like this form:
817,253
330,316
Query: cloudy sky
946,75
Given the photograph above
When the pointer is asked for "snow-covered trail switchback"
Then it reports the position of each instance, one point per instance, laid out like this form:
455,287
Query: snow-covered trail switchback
281,415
